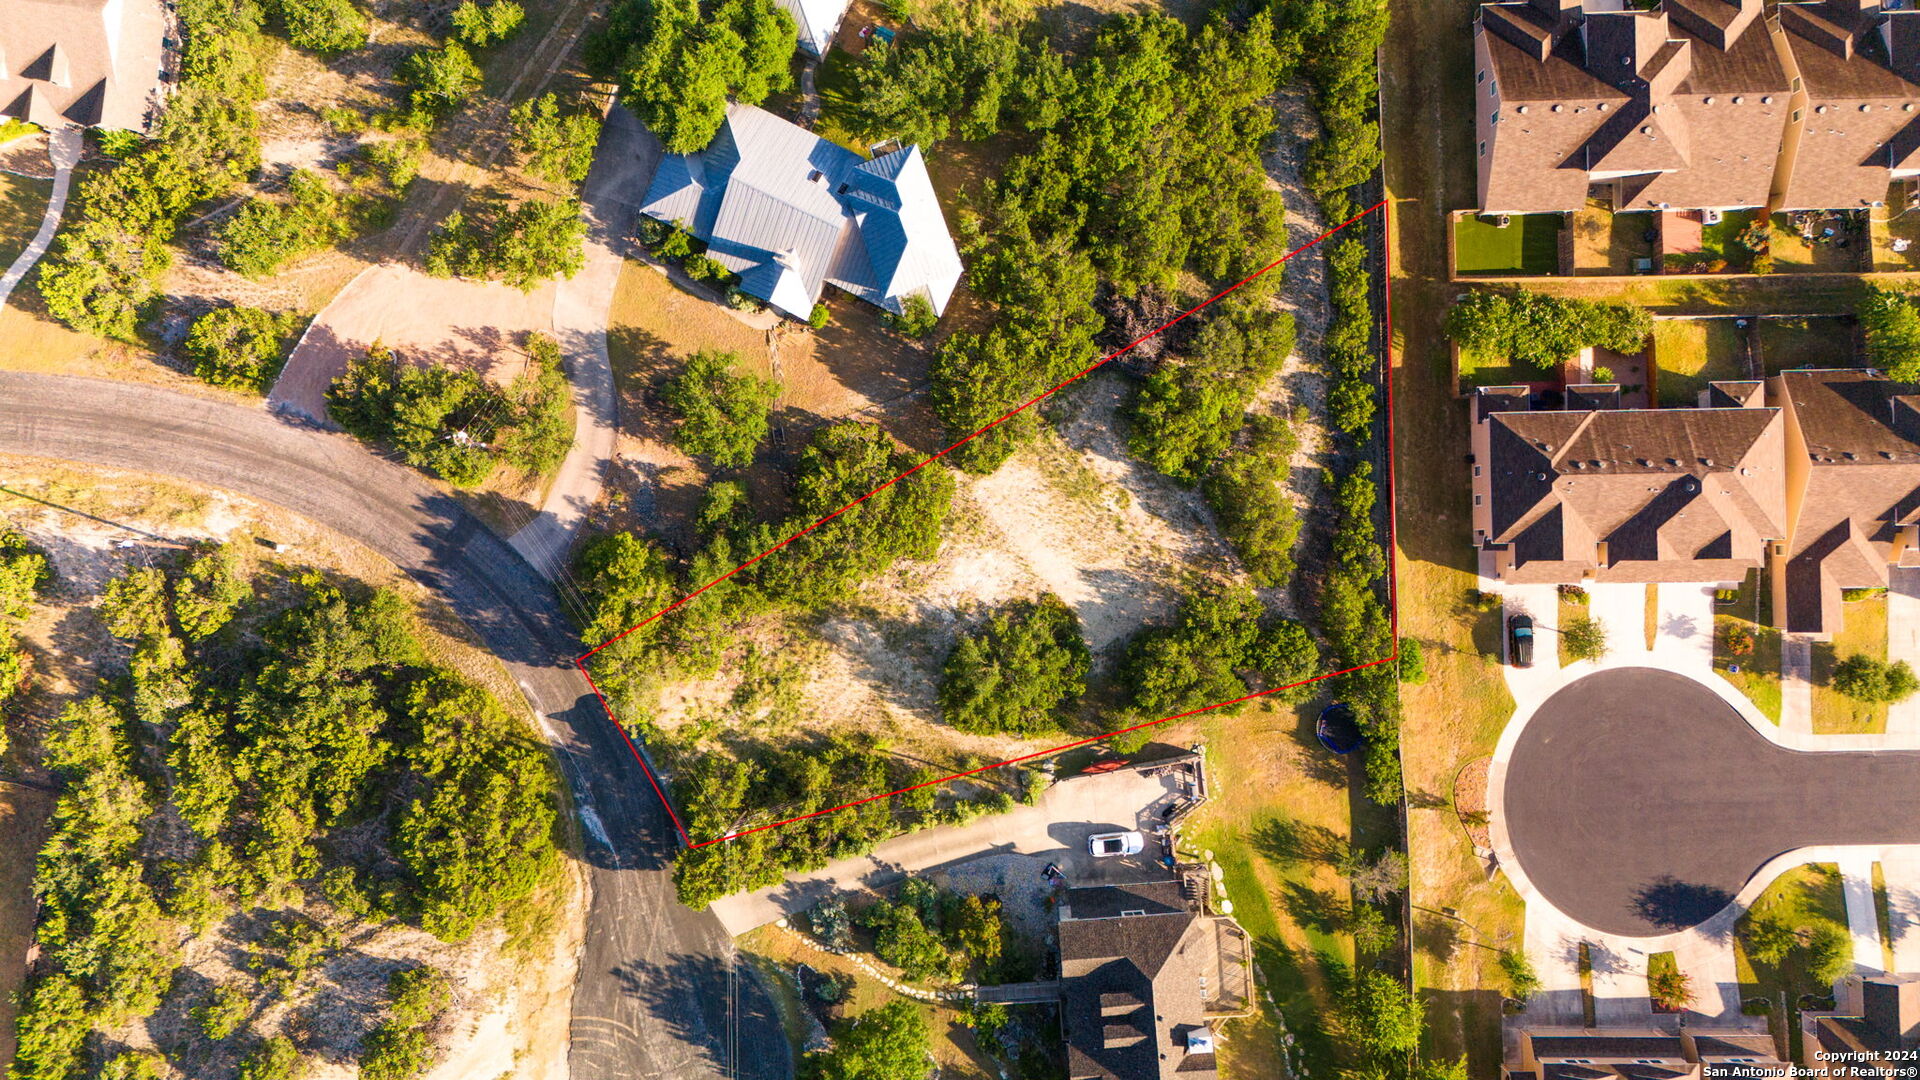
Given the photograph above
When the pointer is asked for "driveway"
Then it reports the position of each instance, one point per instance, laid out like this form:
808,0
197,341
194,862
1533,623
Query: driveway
660,992
1055,829
1638,802
64,146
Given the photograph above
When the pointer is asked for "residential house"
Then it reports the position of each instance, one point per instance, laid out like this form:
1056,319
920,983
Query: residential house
1145,973
792,213
818,22
1812,477
1567,1053
1853,490
1593,492
95,63
1694,104
1877,1021
1680,106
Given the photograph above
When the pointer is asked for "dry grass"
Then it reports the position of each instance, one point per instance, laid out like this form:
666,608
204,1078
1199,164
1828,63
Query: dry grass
1457,715
1863,632
23,202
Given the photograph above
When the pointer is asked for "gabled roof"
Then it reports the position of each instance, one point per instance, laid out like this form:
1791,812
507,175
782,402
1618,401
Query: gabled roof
89,62
789,212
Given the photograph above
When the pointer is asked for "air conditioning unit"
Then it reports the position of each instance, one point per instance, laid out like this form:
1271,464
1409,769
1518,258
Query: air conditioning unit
1709,217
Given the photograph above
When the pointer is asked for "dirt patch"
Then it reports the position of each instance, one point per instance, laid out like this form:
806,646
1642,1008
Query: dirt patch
1470,801
24,826
514,981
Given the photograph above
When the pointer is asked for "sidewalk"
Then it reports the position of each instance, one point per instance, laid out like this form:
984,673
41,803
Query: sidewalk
63,147
1856,884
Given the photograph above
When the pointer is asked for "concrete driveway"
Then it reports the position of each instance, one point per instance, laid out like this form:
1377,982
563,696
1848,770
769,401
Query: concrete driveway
1054,829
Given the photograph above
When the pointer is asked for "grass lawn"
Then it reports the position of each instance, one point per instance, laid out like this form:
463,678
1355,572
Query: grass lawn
23,202
1759,674
1805,341
1664,295
1722,241
1663,964
1863,631
1690,353
1804,897
1478,370
1883,917
1280,817
1530,244
1651,622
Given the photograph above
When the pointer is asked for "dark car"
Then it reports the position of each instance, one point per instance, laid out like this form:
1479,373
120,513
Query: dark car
1520,640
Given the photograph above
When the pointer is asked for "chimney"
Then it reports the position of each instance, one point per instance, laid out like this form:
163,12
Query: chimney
1900,33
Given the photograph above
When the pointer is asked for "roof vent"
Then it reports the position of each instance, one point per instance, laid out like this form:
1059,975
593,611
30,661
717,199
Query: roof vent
1522,109
1603,106
1648,130
1908,107
1626,61
1709,99
1864,107
1820,108
1766,99
1739,99
1557,106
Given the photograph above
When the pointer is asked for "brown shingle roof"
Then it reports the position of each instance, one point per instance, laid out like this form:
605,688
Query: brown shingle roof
90,62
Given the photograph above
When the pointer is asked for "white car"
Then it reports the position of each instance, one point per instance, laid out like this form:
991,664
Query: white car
1104,845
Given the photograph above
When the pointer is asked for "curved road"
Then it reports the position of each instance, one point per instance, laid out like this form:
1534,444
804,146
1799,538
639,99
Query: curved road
661,993
1638,802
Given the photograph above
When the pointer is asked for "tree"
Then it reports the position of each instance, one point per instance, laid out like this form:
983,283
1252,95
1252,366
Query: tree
1584,638
915,319
1866,679
902,938
1372,933
524,245
240,348
1892,326
276,1059
1016,672
1769,937
1413,663
678,61
1522,981
885,1043
819,316
1379,880
491,24
723,415
265,235
23,571
442,79
558,146
1379,1017
1543,331
323,26
1249,496
1829,953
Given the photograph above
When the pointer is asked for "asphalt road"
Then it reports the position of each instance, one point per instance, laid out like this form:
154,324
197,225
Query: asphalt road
1638,802
661,993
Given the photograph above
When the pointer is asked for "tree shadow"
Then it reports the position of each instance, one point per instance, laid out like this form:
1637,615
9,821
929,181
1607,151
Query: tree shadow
716,1010
1286,841
1317,911
1672,904
1437,936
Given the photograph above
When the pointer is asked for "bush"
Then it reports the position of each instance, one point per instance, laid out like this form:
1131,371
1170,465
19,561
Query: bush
1853,595
222,1014
1866,679
819,317
442,79
1602,374
723,416
1248,491
1573,594
1413,663
323,26
1584,638
240,348
489,25
1018,671
902,938
276,1059
889,1042
1829,953
916,318
702,268
1670,988
678,61
1522,981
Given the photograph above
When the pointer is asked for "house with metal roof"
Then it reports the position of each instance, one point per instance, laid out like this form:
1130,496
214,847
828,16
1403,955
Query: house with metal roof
791,213
818,20
95,63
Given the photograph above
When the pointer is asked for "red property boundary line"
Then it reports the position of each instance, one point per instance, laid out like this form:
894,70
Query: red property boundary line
1393,606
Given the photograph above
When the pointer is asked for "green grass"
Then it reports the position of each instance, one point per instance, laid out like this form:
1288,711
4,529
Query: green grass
1805,341
1883,917
1530,244
22,204
1478,370
1759,674
1804,896
1722,241
1690,353
1663,963
1862,631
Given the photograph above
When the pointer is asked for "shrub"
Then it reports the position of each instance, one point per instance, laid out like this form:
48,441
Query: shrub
1762,262
266,235
889,1042
491,24
442,79
1866,679
1737,640
703,268
902,938
276,1059
1757,235
1248,491
223,1013
1769,938
1413,663
1574,594
1522,981
1602,373
1584,638
1829,953
523,245
819,317
723,416
830,924
240,348
1852,595
1017,671
1670,988
323,26
916,318
1543,331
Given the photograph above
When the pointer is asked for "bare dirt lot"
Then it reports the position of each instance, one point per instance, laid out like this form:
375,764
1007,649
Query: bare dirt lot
514,981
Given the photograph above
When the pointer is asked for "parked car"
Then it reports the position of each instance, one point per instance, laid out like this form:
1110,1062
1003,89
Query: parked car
1108,844
1520,640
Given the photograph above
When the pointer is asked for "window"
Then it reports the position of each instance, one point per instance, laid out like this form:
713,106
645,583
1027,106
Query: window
1476,500
1796,84
1479,77
1476,470
1483,153
1797,113
1493,117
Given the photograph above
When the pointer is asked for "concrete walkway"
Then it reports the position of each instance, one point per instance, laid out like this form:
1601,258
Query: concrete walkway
1901,868
63,147
623,166
1056,828
1796,686
1863,924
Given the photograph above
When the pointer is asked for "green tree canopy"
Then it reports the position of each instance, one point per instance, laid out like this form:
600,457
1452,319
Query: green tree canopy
1016,672
1543,331
1892,326
885,1043
678,61
723,416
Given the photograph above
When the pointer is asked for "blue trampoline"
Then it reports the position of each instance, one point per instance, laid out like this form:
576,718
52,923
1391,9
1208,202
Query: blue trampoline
1337,729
